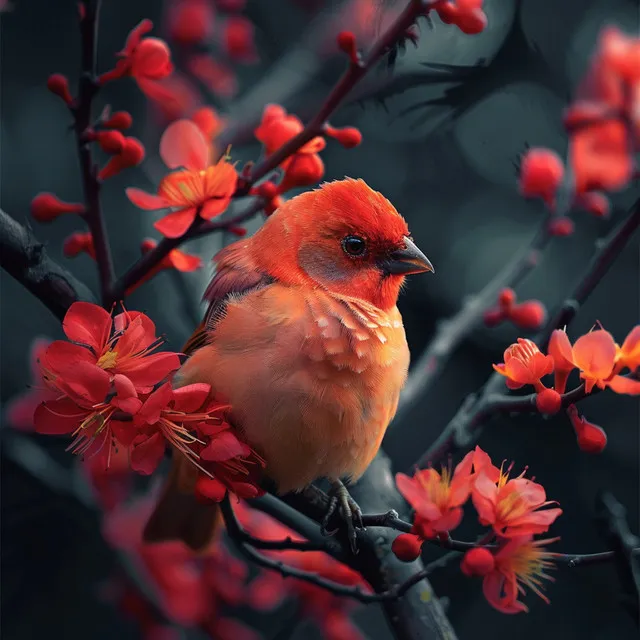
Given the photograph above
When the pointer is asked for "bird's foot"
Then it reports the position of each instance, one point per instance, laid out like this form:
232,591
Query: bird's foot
347,509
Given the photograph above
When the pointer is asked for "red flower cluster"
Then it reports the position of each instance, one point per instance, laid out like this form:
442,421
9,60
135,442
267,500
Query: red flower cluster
192,587
528,315
604,129
111,392
197,189
270,589
513,507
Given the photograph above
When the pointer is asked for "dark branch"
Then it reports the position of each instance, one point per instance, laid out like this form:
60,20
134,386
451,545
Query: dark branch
26,259
81,110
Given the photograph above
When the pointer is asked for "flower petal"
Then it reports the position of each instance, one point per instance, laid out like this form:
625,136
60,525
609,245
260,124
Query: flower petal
183,145
224,447
147,371
190,398
561,351
144,200
88,324
147,453
176,224
622,384
595,353
155,404
58,416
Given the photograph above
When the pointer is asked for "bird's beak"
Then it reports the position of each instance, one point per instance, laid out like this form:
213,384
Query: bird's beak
407,260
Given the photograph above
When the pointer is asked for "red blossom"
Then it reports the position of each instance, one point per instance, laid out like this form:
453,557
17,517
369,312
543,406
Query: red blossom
513,507
520,562
437,498
524,364
20,409
46,207
77,243
196,189
59,85
146,60
238,39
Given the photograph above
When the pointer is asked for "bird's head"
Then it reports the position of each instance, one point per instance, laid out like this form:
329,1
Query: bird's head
344,237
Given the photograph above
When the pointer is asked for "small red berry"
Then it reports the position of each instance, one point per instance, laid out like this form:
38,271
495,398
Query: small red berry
477,562
406,547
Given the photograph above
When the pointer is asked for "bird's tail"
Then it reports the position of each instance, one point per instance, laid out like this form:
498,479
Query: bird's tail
178,515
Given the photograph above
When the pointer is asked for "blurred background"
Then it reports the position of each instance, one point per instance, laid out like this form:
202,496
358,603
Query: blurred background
442,139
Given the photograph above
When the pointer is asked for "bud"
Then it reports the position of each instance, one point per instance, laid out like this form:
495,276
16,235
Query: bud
118,120
111,141
347,43
78,243
548,402
59,85
528,315
590,437
148,244
561,226
541,174
238,39
240,232
595,203
477,562
406,547
506,298
208,121
131,155
348,137
46,207
191,21
209,490
304,170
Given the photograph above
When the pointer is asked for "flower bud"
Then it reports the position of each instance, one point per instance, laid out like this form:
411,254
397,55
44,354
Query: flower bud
561,226
506,298
46,207
78,243
131,155
541,174
528,315
548,402
591,438
148,244
238,39
209,490
595,203
238,231
191,21
59,85
111,141
406,547
348,137
347,43
208,121
305,169
118,120
477,562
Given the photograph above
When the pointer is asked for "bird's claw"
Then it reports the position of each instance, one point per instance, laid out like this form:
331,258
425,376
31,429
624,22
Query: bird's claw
348,510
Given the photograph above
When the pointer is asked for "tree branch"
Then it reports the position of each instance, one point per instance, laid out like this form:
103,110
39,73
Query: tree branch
478,407
81,110
25,258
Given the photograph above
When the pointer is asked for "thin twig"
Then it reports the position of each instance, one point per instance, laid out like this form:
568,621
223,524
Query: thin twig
26,259
350,78
478,407
81,110
154,257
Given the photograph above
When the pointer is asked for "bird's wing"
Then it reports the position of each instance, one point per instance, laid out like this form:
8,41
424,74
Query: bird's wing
236,275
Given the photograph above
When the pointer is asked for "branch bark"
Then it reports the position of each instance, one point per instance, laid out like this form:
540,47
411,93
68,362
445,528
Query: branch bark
25,258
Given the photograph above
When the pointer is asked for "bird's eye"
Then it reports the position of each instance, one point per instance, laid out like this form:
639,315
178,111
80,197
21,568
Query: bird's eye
354,246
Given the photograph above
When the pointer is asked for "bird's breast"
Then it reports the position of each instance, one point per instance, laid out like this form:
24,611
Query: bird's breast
313,379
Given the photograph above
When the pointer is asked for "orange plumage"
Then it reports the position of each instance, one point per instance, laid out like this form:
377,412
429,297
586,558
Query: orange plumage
303,337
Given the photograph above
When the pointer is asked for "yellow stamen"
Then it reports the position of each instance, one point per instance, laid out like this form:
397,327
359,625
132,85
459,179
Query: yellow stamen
108,360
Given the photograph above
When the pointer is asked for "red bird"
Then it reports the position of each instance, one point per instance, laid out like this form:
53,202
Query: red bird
304,340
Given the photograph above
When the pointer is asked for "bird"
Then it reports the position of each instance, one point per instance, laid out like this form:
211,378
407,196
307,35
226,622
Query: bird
303,338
